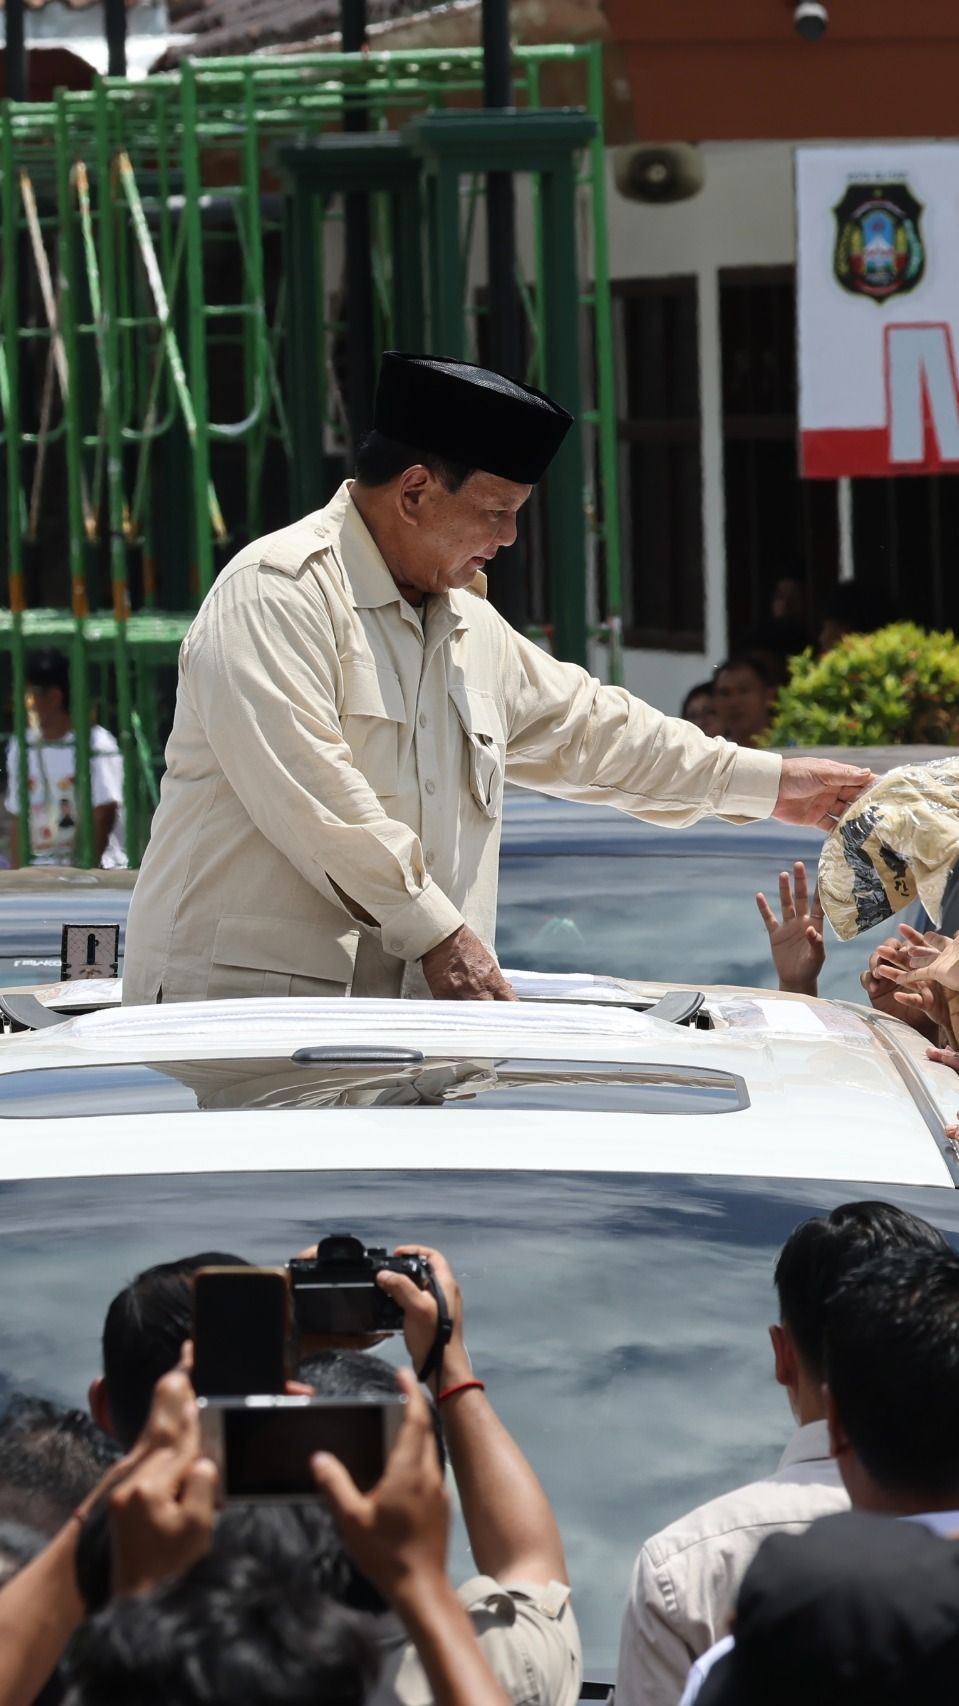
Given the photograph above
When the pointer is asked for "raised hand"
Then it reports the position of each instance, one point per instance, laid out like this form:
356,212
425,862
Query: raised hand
161,1513
397,1534
796,940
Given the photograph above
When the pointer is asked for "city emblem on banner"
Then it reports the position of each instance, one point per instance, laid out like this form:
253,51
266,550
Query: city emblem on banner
879,245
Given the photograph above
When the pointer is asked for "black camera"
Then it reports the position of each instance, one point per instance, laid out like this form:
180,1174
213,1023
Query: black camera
335,1291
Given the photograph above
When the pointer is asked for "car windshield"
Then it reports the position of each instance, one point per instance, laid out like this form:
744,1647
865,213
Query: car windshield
619,1320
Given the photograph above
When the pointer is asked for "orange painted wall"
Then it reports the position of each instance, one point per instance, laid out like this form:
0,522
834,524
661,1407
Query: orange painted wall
736,69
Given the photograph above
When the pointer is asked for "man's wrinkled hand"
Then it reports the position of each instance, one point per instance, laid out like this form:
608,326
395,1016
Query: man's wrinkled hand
461,969
818,791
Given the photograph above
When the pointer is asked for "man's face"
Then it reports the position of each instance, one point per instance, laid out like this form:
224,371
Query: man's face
456,533
701,710
742,703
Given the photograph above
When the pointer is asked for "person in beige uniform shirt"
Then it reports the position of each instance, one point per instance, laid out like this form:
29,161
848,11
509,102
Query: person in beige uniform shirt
350,704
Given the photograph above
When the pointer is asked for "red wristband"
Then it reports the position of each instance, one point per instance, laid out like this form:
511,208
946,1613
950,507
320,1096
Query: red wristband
464,1386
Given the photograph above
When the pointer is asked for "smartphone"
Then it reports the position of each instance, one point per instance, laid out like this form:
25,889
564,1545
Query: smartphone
241,1331
262,1446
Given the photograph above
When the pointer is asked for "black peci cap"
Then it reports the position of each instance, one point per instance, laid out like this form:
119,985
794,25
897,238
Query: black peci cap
857,1611
470,415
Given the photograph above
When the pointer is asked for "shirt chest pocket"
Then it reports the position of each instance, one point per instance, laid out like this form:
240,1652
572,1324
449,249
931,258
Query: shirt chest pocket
371,713
483,727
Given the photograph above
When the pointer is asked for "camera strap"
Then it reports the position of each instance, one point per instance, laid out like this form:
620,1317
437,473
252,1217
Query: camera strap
444,1332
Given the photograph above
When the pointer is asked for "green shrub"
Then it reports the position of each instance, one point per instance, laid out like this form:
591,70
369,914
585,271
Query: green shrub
897,687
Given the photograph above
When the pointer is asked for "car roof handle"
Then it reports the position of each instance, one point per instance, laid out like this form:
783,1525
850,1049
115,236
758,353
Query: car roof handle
357,1054
679,1007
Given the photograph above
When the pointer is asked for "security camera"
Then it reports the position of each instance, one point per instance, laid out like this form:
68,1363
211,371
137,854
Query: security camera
810,19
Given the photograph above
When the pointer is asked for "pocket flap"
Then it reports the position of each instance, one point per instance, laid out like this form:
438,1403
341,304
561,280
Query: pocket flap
479,713
369,691
294,946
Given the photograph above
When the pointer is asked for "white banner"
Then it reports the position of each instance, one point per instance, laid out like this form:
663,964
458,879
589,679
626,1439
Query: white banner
878,249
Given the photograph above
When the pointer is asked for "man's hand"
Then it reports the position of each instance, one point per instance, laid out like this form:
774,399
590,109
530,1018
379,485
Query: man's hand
420,1315
397,1534
796,941
461,969
946,1057
161,1513
818,791
926,1007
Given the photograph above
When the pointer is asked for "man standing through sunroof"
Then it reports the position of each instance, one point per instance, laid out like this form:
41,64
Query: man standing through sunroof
350,705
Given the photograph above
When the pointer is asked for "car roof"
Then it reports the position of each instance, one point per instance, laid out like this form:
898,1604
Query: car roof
834,1092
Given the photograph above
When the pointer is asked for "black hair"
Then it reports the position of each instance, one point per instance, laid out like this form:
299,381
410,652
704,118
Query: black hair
892,1365
704,687
234,1631
819,1254
380,459
746,660
51,1457
143,1333
49,668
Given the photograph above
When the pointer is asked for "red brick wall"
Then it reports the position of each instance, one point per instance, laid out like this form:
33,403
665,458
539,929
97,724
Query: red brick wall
735,69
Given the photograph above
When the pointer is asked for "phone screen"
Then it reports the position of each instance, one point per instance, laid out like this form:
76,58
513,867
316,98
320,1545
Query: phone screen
267,1452
240,1328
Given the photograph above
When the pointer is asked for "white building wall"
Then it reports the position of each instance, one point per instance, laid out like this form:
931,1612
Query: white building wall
743,216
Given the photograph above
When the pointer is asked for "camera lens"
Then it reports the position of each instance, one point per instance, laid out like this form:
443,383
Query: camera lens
810,19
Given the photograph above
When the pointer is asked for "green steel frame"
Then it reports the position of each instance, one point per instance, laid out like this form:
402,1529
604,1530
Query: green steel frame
114,209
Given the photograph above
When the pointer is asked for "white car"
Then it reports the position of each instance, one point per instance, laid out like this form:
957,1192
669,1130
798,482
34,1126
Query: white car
611,1186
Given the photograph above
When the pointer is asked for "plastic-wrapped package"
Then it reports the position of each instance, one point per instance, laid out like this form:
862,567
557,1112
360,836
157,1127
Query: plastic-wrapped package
896,843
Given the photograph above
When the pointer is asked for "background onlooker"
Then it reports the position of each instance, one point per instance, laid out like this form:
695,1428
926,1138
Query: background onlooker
686,1578
744,695
51,769
699,707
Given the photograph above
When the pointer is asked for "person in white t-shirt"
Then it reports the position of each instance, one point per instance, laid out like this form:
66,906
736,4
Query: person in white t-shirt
51,771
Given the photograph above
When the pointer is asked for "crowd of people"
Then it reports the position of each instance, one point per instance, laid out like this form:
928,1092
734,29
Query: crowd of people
126,1580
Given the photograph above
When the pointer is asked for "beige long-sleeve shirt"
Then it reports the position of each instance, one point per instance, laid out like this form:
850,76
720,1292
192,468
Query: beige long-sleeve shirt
336,752
686,1578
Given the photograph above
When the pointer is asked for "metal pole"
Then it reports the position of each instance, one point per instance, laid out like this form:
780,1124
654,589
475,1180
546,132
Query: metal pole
15,51
360,357
509,588
115,14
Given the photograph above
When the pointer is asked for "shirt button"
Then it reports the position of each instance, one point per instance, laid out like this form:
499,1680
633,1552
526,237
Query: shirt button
430,856
423,719
395,947
430,787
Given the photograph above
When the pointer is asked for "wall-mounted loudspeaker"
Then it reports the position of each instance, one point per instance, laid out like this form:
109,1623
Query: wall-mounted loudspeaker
659,172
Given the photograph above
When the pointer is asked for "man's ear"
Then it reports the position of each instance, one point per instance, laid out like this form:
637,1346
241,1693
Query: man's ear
414,485
99,1405
784,1355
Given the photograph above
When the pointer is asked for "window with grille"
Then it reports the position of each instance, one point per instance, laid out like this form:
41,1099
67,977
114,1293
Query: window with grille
659,430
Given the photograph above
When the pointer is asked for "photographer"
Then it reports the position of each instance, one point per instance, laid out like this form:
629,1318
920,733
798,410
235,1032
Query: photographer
519,1603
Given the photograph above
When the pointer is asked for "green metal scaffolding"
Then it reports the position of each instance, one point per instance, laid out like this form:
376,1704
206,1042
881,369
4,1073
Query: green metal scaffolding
152,267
